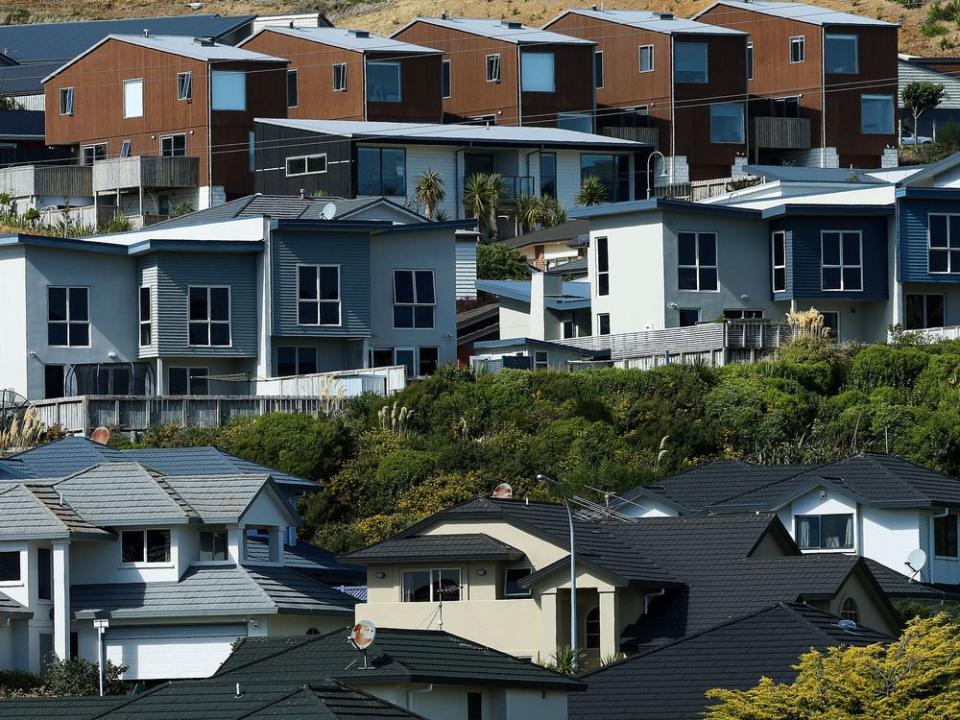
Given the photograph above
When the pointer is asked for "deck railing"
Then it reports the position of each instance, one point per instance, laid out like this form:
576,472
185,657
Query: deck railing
782,133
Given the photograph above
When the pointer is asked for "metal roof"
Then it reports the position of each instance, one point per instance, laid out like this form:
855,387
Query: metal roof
654,21
503,30
456,134
59,42
801,12
356,40
26,79
576,293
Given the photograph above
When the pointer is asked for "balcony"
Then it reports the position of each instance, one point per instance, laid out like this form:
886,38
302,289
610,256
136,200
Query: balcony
514,187
648,135
147,171
59,181
781,133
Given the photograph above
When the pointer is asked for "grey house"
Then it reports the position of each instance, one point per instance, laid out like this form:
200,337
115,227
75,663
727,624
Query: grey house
217,301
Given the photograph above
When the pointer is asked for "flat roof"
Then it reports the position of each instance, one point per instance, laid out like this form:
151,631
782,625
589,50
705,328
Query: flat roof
504,30
356,40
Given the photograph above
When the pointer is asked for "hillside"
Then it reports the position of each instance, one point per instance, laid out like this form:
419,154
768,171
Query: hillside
385,16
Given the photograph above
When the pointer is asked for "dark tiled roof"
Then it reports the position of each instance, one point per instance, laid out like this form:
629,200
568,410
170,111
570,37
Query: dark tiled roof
292,591
308,559
558,233
436,547
25,79
396,656
58,708
670,682
897,585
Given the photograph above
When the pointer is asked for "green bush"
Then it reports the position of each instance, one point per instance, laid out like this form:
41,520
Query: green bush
881,365
80,677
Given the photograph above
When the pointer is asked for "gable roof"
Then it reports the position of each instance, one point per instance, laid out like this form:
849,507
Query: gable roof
33,511
225,498
503,30
660,22
570,232
801,12
670,682
397,656
356,40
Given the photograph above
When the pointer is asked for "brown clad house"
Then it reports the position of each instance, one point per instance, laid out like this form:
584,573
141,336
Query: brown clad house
678,84
168,114
823,83
503,72
340,74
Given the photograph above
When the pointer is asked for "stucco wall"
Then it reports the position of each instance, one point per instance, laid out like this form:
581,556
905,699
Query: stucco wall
13,322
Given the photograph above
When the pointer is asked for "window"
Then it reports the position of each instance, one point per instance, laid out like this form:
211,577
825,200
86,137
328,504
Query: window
68,317
511,582
145,546
840,54
408,358
94,153
474,706
742,314
293,88
603,324
445,86
945,536
493,68
726,123
824,532
943,244
831,321
569,329
213,545
381,171
591,626
414,299
598,69
125,148
797,49
318,295
576,121
924,311
10,566
383,81
548,174
431,585
187,381
209,314
613,173
541,360
787,107
841,264
603,266
66,101
697,261
645,53
44,574
690,62
184,86
306,165
689,316
296,361
173,145
52,381
537,72
749,61
340,77
779,261
381,357
429,360
849,610
229,90
146,334
876,114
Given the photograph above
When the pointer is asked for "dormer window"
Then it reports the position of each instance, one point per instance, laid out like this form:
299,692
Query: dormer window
213,545
145,546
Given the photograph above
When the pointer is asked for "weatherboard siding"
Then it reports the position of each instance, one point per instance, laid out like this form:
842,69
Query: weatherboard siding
913,221
351,251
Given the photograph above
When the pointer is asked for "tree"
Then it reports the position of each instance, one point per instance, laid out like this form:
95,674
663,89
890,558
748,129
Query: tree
496,261
920,96
483,194
430,192
592,191
917,676
553,212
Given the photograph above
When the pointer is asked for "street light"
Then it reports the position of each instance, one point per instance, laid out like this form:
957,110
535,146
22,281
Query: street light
663,174
573,565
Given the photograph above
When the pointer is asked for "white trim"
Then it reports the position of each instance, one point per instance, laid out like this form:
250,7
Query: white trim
296,73
306,165
171,138
318,300
842,265
773,260
431,570
948,218
209,321
189,86
69,92
653,64
67,322
343,85
602,70
449,68
802,44
126,111
499,68
140,321
145,563
697,266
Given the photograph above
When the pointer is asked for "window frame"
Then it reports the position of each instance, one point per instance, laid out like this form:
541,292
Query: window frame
94,159
145,324
799,41
856,54
416,301
125,147
392,63
956,538
552,88
523,593
214,74
592,629
680,316
600,323
380,166
209,321
173,148
820,516
652,53
297,361
925,298
697,267
497,66
431,570
214,532
130,81
420,368
541,360
446,77
773,260
341,69
203,374
295,74
146,562
949,219
603,266
185,86
318,300
706,62
19,580
66,97
842,266
67,321
306,165
750,60
598,69
742,138
845,612
891,116
45,579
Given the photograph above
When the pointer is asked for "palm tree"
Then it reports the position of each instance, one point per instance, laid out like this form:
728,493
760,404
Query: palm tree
496,189
553,212
592,191
430,192
482,195
530,212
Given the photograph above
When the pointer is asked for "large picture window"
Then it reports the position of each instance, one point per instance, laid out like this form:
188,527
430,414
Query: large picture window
840,54
296,361
68,317
209,314
537,72
381,171
824,532
876,114
414,299
697,261
943,243
383,81
229,90
690,62
726,123
318,295
431,585
841,261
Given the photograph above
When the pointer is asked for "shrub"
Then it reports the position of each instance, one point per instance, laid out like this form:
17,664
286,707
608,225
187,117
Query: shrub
880,365
80,677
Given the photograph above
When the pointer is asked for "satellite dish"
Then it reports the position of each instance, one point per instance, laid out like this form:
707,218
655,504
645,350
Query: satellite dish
363,634
328,211
847,624
101,436
916,560
503,491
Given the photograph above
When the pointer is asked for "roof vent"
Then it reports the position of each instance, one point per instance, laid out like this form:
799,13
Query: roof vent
664,15
360,33
513,24
146,32
444,15
206,41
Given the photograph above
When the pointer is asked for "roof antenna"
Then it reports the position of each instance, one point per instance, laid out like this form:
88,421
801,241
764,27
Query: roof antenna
238,693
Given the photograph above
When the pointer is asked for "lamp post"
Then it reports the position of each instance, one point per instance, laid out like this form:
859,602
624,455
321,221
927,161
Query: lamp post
663,174
573,564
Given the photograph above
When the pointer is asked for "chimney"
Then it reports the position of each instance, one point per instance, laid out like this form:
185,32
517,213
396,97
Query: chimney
360,33
205,40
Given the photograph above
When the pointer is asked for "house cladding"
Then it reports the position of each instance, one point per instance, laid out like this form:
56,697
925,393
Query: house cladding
275,143
914,226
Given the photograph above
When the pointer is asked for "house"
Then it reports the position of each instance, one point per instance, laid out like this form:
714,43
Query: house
164,558
822,82
340,74
879,507
639,582
658,80
937,70
357,159
223,300
505,73
670,682
543,308
554,247
164,116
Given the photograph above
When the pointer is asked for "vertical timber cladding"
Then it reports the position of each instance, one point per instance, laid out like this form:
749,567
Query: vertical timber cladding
274,144
420,90
573,74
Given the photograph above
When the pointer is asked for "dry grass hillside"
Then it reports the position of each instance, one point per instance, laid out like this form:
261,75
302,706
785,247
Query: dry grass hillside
385,15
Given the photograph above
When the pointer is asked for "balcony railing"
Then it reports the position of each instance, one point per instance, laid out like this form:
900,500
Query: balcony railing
781,133
60,181
149,171
648,135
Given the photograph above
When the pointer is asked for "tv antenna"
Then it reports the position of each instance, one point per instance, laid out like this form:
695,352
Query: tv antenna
362,637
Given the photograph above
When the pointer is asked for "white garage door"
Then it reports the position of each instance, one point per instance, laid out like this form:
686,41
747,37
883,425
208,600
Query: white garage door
153,652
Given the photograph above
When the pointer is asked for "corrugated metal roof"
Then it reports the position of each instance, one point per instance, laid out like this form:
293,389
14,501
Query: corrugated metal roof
358,41
653,21
802,12
503,30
